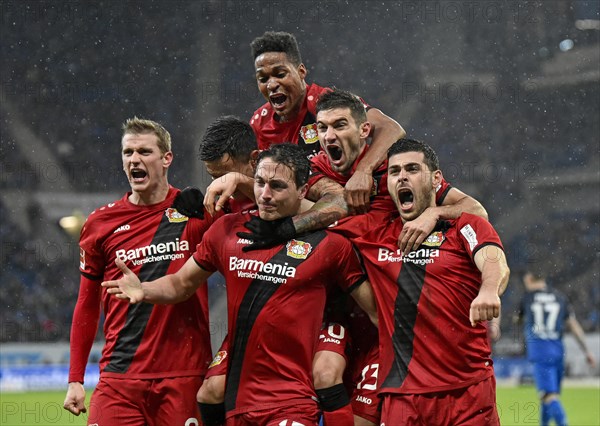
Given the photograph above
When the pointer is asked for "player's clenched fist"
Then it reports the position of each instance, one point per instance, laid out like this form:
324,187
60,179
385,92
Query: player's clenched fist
75,399
128,287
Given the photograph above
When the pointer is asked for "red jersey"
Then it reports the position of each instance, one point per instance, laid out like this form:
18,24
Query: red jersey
275,303
300,131
143,341
426,340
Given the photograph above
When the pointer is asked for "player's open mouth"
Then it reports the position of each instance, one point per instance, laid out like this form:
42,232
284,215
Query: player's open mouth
406,198
278,100
335,152
138,175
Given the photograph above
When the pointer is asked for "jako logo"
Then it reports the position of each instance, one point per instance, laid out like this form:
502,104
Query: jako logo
364,399
122,228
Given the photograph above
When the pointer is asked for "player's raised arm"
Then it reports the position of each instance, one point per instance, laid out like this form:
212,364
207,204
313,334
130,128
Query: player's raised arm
172,288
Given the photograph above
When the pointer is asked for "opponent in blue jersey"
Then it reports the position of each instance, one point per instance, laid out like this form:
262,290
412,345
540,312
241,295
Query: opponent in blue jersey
545,313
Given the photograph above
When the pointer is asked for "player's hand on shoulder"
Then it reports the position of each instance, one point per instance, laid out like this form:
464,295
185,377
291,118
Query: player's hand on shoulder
75,399
416,231
189,202
126,288
357,192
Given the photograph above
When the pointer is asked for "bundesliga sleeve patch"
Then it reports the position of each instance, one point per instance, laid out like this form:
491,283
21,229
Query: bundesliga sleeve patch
470,235
81,259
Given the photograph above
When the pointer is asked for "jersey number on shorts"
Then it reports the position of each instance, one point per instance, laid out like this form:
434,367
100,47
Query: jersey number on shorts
369,377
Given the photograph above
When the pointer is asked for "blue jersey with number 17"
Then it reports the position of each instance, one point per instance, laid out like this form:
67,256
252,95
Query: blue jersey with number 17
545,313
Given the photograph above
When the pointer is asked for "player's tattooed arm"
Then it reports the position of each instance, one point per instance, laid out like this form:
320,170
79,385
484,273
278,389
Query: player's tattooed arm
329,206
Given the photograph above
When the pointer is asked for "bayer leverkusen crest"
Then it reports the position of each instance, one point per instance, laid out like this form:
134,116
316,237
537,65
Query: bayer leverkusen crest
298,249
218,359
309,133
174,216
435,239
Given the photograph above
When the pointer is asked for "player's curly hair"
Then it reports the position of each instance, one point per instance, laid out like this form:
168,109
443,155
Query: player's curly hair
277,41
412,145
140,126
228,135
338,98
292,156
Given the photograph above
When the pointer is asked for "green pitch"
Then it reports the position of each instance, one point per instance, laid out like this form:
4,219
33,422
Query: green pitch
516,406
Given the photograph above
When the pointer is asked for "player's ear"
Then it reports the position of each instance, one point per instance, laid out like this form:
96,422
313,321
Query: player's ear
365,130
437,178
302,71
303,191
167,159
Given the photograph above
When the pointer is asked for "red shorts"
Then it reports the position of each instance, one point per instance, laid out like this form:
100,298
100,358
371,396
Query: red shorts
365,402
333,338
292,415
471,406
218,365
140,402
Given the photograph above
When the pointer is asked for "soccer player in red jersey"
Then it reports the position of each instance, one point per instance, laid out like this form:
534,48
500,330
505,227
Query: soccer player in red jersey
435,365
273,295
289,113
228,150
343,126
141,381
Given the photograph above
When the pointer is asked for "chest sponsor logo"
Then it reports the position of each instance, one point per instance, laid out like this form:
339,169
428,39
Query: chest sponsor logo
309,133
422,256
174,216
435,239
276,273
170,250
298,249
